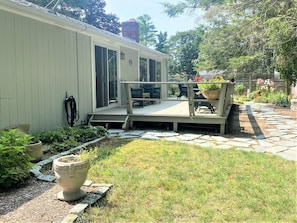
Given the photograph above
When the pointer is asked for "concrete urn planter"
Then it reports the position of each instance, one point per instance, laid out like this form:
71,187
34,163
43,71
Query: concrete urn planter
71,173
35,150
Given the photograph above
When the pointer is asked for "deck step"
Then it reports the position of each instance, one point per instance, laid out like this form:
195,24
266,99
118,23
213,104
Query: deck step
108,119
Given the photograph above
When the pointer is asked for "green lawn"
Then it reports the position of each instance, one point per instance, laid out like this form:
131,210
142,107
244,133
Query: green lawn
162,181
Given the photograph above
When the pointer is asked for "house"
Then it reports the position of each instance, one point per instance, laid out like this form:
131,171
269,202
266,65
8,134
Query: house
46,57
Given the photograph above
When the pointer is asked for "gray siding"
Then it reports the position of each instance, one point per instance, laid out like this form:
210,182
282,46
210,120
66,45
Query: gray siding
129,71
84,98
39,66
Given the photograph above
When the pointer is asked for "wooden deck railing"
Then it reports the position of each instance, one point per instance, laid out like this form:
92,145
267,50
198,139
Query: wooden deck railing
222,104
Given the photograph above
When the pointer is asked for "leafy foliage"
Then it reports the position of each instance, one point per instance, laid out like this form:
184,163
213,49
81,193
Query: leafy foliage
213,83
239,89
277,98
96,16
184,49
15,162
284,41
147,30
65,138
173,10
89,11
252,38
162,44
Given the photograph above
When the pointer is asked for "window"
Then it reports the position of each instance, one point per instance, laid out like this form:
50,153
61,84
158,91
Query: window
143,69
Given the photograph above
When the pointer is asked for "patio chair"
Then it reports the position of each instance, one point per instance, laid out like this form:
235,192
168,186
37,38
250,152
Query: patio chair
156,93
182,91
197,104
137,93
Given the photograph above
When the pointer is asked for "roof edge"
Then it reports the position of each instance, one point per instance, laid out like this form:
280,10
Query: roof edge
34,11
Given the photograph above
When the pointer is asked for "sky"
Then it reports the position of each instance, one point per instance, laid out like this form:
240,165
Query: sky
128,9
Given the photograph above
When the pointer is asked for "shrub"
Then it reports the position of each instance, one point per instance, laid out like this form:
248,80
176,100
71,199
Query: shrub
239,89
65,145
173,88
279,98
66,138
240,99
86,133
15,162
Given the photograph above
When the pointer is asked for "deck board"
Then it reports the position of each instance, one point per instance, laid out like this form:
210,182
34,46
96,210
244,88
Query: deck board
169,108
175,112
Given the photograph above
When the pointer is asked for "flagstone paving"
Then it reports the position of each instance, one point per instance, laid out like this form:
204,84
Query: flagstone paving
281,141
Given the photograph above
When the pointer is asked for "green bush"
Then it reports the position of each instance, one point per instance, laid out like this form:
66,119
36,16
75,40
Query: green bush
279,98
15,162
173,89
240,99
239,89
66,138
87,133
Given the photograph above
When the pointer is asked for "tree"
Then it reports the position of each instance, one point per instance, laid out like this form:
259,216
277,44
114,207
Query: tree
183,6
89,11
251,36
183,50
147,30
96,16
162,44
283,39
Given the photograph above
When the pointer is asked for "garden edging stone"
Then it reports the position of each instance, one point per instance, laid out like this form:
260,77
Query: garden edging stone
35,170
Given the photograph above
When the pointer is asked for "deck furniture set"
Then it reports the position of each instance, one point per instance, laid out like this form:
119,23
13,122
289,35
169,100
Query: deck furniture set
145,91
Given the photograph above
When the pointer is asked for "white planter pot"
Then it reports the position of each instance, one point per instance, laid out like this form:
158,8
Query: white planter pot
71,174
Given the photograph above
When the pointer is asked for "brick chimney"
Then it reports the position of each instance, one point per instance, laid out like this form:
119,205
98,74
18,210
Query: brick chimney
130,30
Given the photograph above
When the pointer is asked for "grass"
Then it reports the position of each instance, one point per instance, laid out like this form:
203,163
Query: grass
163,181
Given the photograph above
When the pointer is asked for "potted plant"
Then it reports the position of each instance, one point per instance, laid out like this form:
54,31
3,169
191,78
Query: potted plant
34,148
211,88
71,172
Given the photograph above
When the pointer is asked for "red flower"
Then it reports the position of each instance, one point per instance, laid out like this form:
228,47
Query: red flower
198,79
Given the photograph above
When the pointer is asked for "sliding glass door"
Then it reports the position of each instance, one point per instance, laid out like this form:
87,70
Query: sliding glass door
106,76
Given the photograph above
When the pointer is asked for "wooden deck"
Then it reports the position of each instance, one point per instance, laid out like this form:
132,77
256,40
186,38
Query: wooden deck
174,112
168,110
